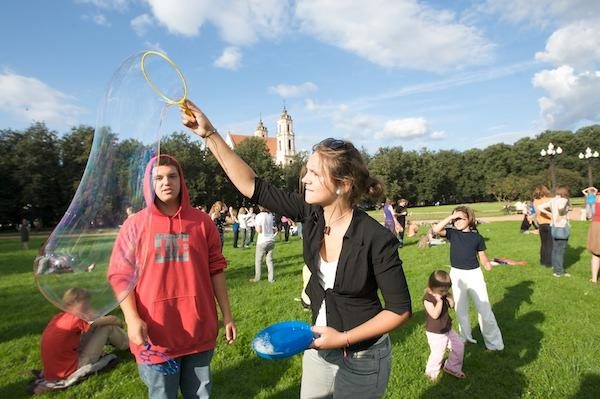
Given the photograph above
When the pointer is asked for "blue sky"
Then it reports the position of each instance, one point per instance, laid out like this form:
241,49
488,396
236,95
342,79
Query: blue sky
436,74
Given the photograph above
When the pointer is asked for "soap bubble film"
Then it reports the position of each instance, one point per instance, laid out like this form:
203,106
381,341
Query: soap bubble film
131,120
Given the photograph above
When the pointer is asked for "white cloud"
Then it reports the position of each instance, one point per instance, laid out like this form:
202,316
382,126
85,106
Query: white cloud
576,44
395,33
141,24
363,126
238,22
541,12
441,135
391,33
570,97
316,107
407,128
32,100
285,90
231,58
98,19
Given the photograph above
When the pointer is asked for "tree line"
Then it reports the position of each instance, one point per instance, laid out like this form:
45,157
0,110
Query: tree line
40,170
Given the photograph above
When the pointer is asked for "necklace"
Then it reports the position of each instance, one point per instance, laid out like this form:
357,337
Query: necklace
327,228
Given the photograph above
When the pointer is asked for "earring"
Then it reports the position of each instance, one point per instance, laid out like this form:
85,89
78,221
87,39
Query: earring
338,192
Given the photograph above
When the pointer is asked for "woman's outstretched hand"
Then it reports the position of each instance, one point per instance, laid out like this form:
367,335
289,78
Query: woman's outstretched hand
193,118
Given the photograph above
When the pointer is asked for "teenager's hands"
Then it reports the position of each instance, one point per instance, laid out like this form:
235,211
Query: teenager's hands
137,330
328,338
230,331
193,118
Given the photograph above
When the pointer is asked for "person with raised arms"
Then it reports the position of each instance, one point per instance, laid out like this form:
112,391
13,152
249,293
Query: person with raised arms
351,257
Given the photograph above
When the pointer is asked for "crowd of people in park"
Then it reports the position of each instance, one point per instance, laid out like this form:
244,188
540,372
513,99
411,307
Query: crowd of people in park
349,260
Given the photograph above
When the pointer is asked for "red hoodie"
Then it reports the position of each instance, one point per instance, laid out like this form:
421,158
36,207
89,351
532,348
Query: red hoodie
176,257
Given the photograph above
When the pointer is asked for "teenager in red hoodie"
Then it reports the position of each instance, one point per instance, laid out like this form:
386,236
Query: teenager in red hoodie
177,251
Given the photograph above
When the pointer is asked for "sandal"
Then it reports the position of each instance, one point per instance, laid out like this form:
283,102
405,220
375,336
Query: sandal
457,374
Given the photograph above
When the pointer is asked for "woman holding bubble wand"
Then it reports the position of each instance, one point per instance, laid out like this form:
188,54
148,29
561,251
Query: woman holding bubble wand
351,257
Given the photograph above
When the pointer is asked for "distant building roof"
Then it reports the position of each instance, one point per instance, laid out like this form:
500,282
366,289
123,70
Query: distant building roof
270,141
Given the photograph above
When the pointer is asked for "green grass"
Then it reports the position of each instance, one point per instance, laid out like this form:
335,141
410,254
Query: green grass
551,327
482,209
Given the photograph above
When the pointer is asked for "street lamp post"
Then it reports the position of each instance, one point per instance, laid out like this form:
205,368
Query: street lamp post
589,155
551,152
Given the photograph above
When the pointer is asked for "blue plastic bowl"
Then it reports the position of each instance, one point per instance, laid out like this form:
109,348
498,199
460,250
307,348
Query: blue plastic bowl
283,340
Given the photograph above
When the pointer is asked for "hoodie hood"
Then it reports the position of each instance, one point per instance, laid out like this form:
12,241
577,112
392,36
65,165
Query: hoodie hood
150,195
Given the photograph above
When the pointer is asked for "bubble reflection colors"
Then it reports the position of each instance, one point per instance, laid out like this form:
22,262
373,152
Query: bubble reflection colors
129,127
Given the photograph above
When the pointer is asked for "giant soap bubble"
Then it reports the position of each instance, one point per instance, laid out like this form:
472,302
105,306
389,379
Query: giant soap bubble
131,118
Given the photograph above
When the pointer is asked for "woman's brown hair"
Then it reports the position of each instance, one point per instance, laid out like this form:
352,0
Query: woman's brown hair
343,162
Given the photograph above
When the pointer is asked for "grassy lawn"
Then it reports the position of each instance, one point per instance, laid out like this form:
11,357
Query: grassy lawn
551,327
482,209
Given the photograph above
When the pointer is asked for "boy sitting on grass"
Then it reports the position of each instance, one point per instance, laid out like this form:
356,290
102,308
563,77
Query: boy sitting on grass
72,348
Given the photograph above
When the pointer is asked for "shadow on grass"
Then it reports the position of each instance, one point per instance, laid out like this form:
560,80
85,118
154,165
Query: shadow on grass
573,255
15,390
235,381
497,372
18,389
589,387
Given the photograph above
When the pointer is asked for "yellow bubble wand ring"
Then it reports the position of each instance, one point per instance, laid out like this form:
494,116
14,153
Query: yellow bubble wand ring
168,100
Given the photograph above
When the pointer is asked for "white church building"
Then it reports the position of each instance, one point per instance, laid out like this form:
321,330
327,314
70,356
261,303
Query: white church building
282,147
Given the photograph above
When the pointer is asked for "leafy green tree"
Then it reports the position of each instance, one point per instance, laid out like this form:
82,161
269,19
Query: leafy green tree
292,172
392,166
11,205
38,172
256,154
75,150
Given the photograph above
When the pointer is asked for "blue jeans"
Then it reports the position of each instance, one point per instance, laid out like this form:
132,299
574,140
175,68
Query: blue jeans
192,376
558,255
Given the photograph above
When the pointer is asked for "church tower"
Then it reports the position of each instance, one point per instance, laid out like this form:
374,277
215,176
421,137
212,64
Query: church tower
286,142
261,130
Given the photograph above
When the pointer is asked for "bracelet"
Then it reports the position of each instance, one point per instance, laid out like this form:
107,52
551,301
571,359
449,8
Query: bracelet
347,339
210,134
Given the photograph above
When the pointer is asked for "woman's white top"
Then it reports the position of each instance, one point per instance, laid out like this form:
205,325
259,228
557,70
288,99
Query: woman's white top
326,275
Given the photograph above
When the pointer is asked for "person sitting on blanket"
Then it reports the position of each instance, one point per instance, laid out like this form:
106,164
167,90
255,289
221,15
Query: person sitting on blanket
71,347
